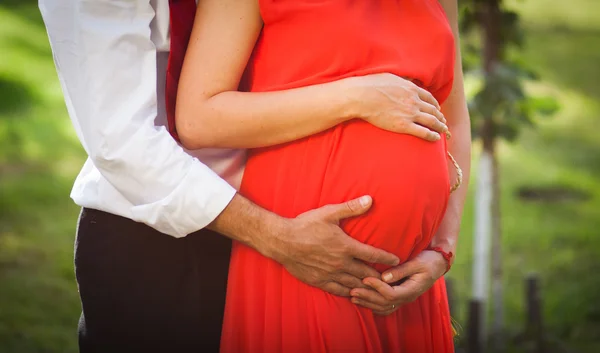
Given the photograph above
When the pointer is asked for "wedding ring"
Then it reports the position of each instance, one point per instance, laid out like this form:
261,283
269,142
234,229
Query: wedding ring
393,306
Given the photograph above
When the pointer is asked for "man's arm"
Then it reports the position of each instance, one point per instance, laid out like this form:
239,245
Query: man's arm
428,266
106,64
107,67
312,246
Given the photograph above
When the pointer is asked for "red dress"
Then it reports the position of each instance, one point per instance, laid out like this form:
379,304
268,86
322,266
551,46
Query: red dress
308,42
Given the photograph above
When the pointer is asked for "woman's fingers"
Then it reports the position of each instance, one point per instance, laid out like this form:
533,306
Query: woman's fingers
373,300
370,299
370,296
374,307
426,96
421,132
431,122
432,110
382,288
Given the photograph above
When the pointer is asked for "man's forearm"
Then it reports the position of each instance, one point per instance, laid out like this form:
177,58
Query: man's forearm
312,247
250,224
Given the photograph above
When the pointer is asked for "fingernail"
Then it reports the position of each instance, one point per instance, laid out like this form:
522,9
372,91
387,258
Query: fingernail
364,201
354,300
387,277
353,293
436,136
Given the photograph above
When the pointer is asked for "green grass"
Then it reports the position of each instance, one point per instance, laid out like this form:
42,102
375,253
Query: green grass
40,156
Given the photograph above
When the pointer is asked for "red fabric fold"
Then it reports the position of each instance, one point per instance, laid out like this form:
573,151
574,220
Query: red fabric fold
182,13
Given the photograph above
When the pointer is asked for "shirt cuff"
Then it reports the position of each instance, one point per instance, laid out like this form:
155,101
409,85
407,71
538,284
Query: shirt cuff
198,199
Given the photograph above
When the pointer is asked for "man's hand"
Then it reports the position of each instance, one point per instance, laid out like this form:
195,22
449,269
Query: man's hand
417,276
316,250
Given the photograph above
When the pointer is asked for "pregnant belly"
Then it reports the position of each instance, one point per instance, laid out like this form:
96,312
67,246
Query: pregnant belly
407,178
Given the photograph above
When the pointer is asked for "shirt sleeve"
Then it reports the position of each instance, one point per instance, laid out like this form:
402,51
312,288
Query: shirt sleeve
106,62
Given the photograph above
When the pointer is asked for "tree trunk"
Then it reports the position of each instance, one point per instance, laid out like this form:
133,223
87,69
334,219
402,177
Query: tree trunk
483,220
492,55
497,286
487,221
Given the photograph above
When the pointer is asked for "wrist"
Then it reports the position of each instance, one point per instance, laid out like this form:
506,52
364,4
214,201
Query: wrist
444,246
446,258
444,240
269,239
253,226
353,98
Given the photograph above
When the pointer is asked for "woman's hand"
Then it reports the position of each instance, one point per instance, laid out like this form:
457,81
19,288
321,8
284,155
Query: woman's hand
398,105
419,274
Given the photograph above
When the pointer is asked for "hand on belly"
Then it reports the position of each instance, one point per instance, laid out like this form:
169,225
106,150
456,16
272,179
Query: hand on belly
407,178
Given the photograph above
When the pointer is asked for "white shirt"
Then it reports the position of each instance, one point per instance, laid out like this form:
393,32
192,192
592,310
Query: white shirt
111,58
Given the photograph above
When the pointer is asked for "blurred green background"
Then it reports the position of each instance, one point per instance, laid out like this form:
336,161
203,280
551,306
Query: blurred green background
557,238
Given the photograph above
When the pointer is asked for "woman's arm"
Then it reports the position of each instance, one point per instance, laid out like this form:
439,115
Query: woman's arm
212,113
455,109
